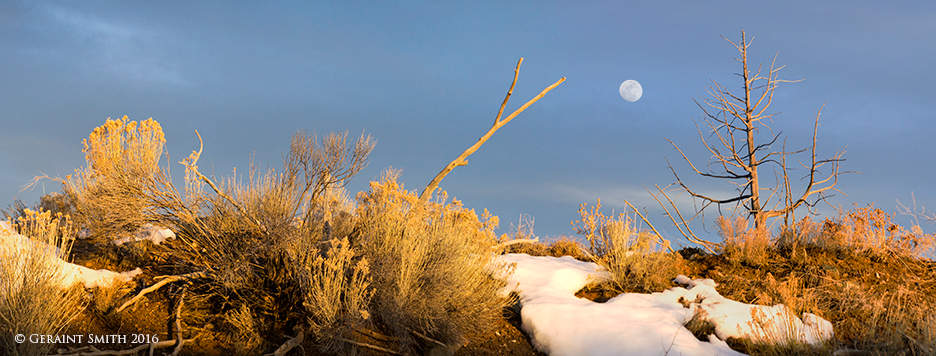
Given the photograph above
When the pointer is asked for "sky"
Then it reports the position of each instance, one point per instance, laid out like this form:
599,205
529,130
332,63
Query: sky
427,79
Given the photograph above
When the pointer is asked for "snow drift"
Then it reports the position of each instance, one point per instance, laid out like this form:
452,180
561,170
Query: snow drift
559,323
16,246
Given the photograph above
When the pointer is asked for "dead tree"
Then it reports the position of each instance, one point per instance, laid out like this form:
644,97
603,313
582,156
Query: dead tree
737,155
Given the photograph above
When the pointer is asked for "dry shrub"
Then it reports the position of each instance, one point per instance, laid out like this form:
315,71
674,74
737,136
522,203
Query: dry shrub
241,329
871,229
109,195
634,259
700,325
431,266
253,240
742,243
31,297
567,246
337,296
258,241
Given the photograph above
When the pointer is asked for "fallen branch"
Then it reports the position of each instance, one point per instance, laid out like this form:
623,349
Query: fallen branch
165,280
133,351
372,347
498,123
288,345
178,324
374,335
427,338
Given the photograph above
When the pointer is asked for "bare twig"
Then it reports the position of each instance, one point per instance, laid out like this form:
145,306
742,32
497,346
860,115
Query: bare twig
498,123
192,163
133,351
660,236
288,345
372,347
687,233
178,324
165,280
374,334
427,338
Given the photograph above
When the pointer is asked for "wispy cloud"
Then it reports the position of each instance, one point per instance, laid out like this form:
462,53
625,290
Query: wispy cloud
127,52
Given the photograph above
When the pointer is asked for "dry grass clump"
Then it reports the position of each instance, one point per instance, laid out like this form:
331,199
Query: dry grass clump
431,265
634,259
524,241
567,246
31,297
741,243
871,229
558,247
859,230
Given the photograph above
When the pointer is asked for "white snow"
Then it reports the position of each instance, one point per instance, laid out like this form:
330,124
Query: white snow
15,246
148,232
639,324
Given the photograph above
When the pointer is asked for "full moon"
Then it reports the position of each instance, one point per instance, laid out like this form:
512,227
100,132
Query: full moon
631,90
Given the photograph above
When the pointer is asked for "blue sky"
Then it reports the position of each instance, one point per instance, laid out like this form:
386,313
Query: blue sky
426,80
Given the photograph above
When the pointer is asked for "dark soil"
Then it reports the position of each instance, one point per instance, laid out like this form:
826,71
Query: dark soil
508,339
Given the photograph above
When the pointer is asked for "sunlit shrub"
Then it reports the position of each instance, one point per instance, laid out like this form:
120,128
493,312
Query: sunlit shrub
634,259
871,229
431,267
109,194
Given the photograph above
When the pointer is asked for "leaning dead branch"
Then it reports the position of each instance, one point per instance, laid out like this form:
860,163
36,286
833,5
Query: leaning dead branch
498,123
644,219
682,225
165,280
191,163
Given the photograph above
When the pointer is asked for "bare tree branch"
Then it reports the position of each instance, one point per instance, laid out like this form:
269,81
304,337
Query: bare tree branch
498,123
165,280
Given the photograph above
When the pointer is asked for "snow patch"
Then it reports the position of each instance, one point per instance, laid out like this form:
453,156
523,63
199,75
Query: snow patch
148,232
16,248
639,324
